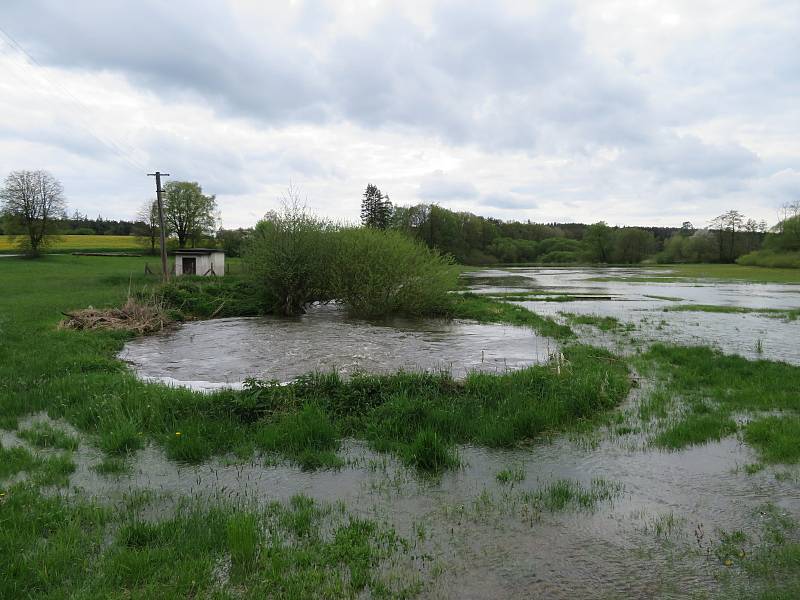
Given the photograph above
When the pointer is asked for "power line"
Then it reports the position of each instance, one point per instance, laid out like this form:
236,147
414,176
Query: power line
31,62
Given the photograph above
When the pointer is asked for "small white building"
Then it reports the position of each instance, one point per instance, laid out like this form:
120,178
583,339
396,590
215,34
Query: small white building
199,261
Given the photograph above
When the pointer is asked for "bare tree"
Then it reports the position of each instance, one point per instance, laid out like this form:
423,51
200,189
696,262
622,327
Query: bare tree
32,201
148,216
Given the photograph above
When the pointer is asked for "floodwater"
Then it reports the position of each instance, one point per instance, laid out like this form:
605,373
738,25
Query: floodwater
481,535
646,305
654,539
208,354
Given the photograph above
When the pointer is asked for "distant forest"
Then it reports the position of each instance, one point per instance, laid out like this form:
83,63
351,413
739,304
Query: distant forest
476,240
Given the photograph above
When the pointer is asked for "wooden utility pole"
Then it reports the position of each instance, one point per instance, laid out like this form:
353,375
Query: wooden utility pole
158,175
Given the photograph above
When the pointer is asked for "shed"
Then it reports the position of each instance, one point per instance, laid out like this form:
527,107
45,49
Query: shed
199,261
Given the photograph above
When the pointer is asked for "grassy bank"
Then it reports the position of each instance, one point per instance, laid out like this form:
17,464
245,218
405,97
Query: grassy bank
733,272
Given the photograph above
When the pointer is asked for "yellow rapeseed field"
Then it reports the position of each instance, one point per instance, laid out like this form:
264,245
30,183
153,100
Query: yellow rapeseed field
83,242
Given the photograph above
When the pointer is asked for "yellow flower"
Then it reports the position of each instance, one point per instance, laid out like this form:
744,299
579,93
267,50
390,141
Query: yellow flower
728,562
178,433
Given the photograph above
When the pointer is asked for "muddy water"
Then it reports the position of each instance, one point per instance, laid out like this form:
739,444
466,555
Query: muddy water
206,354
480,533
478,530
645,305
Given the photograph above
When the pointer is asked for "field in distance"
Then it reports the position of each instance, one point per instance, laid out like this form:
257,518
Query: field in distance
74,243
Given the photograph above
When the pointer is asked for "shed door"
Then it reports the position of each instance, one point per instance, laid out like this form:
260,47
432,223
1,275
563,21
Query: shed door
189,266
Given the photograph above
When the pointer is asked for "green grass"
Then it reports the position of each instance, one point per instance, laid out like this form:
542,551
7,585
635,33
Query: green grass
44,435
790,314
564,493
112,465
48,470
602,323
486,310
511,475
776,438
666,273
54,548
731,381
694,429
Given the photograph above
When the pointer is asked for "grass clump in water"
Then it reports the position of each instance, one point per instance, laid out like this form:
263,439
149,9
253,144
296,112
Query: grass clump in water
112,465
486,310
602,323
694,429
307,437
564,493
776,438
430,453
44,435
511,475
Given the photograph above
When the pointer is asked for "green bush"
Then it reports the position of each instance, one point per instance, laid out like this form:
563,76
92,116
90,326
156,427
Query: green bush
771,258
377,273
289,257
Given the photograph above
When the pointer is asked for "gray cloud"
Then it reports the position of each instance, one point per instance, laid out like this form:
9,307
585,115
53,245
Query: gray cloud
438,187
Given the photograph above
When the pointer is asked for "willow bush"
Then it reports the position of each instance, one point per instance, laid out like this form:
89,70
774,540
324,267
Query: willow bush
378,273
295,259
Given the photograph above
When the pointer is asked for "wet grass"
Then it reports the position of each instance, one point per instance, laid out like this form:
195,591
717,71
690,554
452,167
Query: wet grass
565,493
776,438
299,549
486,310
694,429
665,273
112,465
511,475
43,470
44,435
602,323
790,314
308,437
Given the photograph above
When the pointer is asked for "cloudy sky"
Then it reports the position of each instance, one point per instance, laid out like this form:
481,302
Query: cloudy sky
633,112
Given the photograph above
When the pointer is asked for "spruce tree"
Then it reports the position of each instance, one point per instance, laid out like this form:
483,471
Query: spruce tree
376,209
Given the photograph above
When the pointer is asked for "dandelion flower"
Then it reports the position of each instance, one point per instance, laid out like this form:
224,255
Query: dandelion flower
178,433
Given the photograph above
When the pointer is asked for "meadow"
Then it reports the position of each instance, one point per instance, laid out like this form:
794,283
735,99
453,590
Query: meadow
74,545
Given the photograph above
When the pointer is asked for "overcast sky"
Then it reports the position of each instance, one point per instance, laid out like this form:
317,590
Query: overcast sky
632,112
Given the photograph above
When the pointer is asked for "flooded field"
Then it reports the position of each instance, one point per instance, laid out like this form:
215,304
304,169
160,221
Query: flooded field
600,512
655,308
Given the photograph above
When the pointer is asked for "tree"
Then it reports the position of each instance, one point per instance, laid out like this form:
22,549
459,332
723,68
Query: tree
148,225
726,226
32,201
633,245
188,213
599,239
376,209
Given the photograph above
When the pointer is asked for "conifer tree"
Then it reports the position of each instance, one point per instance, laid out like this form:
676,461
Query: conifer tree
376,209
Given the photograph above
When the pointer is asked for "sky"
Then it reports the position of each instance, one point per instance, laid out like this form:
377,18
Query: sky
632,112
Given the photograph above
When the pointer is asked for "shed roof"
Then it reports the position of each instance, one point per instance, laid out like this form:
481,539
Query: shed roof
199,251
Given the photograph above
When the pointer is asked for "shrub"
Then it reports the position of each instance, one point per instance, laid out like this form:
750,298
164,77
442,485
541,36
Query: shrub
378,273
771,258
288,256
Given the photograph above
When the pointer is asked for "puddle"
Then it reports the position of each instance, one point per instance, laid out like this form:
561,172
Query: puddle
225,352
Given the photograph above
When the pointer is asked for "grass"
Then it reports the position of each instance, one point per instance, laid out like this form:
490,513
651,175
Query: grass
487,310
44,435
73,243
665,273
564,493
696,429
48,471
602,323
790,314
298,549
776,438
511,475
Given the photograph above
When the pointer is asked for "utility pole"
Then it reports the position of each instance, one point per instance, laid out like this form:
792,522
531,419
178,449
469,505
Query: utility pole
158,175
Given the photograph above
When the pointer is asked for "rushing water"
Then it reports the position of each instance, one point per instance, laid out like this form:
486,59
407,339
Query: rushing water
654,540
205,354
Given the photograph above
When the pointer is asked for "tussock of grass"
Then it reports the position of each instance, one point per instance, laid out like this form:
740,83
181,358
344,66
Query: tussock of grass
486,310
565,493
112,465
511,475
731,381
51,470
44,435
307,437
776,438
694,429
602,323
